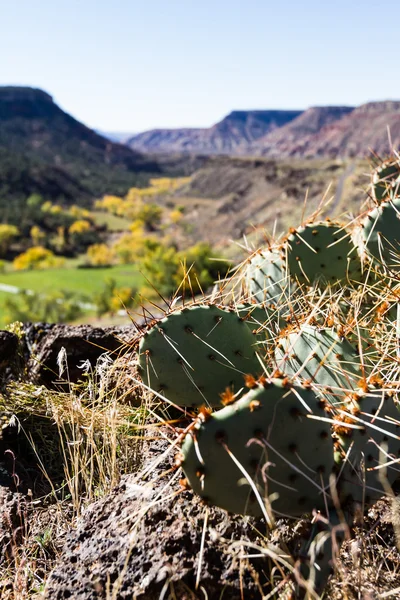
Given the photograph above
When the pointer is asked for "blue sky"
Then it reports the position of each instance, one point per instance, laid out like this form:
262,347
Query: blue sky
128,65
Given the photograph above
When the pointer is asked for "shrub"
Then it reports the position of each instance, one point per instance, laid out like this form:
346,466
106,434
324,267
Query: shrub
79,227
149,215
82,234
112,298
132,246
37,257
99,255
175,216
54,307
112,204
197,264
37,235
166,269
7,233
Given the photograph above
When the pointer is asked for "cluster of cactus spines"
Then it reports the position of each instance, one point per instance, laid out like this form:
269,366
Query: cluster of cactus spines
195,354
386,181
264,322
265,436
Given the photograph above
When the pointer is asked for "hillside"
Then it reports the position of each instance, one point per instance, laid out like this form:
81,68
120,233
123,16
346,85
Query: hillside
229,136
45,150
293,138
231,197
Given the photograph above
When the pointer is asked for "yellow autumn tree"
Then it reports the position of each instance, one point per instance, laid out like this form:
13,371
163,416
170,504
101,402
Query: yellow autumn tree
7,233
100,255
175,216
112,204
78,212
79,227
36,258
37,235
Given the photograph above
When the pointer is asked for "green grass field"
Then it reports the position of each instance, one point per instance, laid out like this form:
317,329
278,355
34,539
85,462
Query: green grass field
82,281
85,281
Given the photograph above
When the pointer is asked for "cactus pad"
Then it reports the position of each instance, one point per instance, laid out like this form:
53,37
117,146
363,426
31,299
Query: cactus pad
381,233
386,181
287,455
359,478
267,279
319,356
322,250
194,354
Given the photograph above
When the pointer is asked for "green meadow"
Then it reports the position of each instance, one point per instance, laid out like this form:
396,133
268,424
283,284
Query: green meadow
85,282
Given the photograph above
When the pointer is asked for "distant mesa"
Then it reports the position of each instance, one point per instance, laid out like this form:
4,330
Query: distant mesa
323,131
372,127
232,135
294,137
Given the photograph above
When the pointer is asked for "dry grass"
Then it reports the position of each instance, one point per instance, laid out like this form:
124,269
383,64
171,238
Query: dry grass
71,449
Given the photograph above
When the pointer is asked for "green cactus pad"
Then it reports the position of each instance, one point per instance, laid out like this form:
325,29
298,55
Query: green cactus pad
287,455
359,478
194,354
322,250
267,280
381,233
319,356
386,181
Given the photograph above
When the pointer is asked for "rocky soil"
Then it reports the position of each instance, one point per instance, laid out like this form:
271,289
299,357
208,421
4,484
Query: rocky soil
151,538
145,541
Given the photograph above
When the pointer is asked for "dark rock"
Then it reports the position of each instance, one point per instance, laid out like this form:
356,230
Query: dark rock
8,346
144,541
43,343
5,477
10,363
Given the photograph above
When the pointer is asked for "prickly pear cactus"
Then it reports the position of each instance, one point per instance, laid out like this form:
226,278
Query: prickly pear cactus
324,251
381,234
267,437
386,181
319,356
194,354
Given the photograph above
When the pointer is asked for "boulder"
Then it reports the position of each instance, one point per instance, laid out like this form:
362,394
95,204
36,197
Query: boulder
43,343
10,362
